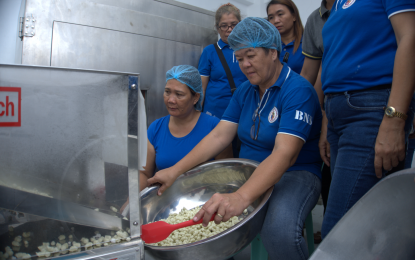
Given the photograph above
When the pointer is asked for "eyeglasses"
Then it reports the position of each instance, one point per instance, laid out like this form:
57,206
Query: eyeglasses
225,27
254,131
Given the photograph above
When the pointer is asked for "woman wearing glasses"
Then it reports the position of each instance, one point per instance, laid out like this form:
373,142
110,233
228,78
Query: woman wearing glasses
215,83
277,116
284,15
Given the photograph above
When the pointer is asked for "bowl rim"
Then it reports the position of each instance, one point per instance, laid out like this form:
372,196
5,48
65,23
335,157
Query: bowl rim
266,194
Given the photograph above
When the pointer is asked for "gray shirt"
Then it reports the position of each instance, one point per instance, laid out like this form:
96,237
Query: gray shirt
313,39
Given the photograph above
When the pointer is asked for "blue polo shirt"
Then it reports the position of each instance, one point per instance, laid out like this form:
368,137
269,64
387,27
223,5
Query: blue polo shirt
290,107
170,149
295,60
218,91
360,44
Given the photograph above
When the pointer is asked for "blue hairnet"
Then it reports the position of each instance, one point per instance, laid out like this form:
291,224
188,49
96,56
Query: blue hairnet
189,76
253,32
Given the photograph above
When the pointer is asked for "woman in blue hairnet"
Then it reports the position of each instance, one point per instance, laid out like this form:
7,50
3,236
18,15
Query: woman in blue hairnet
171,137
277,117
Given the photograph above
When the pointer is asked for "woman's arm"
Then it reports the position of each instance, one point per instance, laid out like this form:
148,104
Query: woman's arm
390,142
318,88
323,144
205,81
269,172
227,153
210,146
310,69
150,166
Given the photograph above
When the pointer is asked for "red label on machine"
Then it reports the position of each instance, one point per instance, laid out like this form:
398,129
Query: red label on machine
10,106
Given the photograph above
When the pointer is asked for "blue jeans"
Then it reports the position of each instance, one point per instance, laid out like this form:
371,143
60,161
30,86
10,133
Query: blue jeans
410,153
353,125
293,198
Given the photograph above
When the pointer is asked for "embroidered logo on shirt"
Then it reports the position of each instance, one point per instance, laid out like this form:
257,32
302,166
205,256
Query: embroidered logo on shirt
348,4
273,115
303,116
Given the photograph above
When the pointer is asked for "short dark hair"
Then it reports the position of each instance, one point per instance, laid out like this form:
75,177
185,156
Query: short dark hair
192,91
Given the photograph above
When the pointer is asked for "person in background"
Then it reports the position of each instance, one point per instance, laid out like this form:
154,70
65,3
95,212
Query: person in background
172,137
313,50
278,119
219,69
313,47
368,81
284,15
216,87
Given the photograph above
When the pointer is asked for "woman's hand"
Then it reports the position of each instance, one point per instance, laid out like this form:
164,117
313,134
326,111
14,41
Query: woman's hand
323,144
390,142
165,177
390,145
124,205
226,206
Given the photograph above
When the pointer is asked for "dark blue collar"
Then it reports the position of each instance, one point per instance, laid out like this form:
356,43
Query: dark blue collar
291,43
285,72
222,44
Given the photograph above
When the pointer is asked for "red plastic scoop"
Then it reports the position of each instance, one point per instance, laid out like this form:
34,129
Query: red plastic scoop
160,230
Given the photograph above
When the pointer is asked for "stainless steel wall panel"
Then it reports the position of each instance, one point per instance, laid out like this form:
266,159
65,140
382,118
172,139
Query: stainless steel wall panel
36,52
168,9
90,47
144,36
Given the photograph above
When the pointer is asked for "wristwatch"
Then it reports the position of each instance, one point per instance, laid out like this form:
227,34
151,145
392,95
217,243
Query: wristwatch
391,112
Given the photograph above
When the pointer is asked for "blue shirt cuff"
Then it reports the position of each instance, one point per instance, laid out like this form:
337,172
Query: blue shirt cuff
400,9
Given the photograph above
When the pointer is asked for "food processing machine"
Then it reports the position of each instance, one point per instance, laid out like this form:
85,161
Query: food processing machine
72,142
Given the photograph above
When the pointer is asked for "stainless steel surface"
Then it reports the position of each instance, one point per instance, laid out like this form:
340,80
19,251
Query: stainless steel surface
38,205
167,8
76,46
46,230
29,24
146,37
193,189
72,143
126,251
379,226
136,18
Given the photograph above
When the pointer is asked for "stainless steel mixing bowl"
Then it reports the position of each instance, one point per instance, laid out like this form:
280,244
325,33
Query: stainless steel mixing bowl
193,189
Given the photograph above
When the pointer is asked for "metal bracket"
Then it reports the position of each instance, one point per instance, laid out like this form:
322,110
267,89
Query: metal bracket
133,158
27,26
140,250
